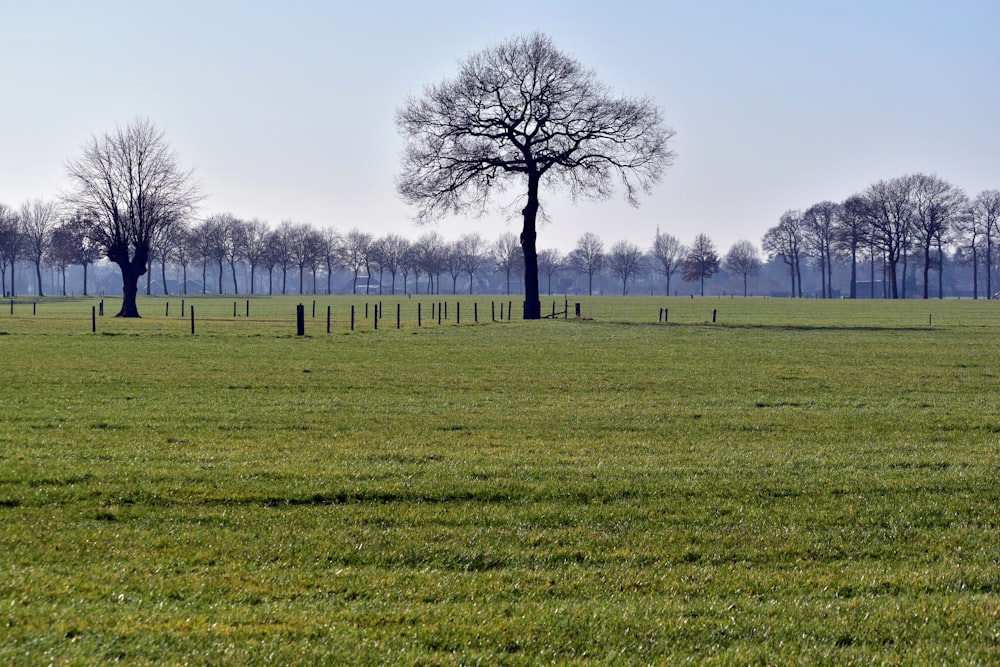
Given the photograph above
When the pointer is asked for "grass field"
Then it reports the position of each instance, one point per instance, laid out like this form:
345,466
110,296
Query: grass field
801,482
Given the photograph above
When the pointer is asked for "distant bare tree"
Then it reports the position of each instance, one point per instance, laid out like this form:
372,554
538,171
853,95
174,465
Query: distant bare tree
430,253
851,232
506,255
11,245
522,111
985,213
355,253
742,259
549,262
588,257
819,224
892,206
473,254
702,261
938,207
394,250
785,241
624,260
129,185
255,236
669,253
38,219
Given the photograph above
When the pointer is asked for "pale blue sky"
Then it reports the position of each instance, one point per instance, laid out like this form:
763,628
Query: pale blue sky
285,109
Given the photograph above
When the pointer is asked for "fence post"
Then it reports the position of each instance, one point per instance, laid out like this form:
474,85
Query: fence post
101,310
475,311
93,319
493,310
182,307
192,320
666,315
248,307
234,310
352,318
714,313
300,320
439,314
419,314
167,313
314,309
399,316
566,309
327,318
578,310
458,313
376,317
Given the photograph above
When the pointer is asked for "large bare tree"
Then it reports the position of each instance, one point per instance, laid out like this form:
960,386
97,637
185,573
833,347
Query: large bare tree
128,182
524,113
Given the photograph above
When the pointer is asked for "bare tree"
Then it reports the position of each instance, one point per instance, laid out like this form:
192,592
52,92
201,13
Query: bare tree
851,232
473,254
504,252
938,206
702,261
355,253
38,219
785,241
588,257
394,251
819,223
892,207
11,245
431,255
128,183
331,251
523,111
624,260
744,260
549,262
669,254
985,214
255,236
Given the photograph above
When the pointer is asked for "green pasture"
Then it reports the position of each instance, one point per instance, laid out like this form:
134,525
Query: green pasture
799,482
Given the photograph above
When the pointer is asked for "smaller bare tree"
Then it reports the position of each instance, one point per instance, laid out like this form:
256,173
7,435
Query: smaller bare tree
742,259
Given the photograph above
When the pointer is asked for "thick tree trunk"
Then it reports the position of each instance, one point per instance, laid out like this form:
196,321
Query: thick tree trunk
130,288
529,237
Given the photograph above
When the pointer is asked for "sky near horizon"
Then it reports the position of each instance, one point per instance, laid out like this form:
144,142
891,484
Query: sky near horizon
285,110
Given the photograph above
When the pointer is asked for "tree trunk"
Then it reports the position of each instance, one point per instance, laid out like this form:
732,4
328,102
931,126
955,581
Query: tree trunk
854,272
529,236
38,275
85,279
131,272
163,275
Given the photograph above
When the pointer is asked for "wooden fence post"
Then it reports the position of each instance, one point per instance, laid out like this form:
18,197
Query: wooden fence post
300,320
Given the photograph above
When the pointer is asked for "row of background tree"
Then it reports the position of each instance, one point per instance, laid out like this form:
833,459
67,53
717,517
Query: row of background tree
885,242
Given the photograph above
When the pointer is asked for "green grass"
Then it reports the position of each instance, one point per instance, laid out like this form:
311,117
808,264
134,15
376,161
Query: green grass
803,482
